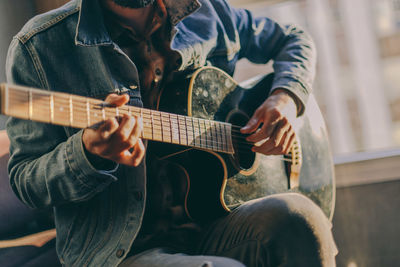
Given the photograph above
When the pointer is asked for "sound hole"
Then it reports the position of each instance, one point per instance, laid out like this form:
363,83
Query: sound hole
243,158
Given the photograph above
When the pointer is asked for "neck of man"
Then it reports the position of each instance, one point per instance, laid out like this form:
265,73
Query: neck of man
134,18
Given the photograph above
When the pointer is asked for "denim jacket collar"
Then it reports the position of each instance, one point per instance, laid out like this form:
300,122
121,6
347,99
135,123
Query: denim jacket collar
178,10
91,29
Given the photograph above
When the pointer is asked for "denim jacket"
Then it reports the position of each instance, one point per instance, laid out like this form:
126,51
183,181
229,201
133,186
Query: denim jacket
98,213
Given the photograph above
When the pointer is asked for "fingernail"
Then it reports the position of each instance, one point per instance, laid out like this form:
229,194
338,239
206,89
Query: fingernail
105,135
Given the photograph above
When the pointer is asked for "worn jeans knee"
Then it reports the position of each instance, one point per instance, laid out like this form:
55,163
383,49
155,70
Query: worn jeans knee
162,257
280,230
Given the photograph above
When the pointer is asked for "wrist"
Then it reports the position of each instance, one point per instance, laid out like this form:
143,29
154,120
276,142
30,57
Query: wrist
96,161
289,97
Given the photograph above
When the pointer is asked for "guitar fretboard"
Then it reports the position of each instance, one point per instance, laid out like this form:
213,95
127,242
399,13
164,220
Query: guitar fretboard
81,112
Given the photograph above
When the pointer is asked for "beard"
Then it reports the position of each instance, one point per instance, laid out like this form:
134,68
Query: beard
133,3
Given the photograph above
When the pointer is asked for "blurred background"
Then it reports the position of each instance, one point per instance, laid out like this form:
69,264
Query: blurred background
358,90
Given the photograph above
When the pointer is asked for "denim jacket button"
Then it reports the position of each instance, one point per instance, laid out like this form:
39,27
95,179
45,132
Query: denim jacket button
120,253
138,195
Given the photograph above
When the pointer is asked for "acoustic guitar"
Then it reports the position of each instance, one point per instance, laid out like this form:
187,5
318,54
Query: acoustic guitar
197,126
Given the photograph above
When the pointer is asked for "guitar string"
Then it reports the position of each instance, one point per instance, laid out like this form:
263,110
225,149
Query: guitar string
81,105
150,129
78,106
152,125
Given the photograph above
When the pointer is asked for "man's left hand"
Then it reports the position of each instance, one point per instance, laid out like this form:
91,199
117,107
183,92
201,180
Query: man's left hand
276,134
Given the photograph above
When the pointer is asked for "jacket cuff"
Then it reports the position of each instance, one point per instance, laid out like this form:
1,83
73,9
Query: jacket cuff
296,88
81,167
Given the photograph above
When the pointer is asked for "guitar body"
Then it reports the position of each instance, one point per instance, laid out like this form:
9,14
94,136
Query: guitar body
204,141
219,182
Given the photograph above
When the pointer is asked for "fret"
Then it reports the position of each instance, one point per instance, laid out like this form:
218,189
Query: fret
205,142
79,112
30,104
210,141
174,128
148,133
143,122
152,125
17,103
156,123
156,118
137,111
223,137
51,107
182,130
110,112
71,111
228,132
95,114
4,105
209,137
148,130
217,136
61,109
203,134
88,112
196,131
214,136
189,129
39,107
166,129
179,130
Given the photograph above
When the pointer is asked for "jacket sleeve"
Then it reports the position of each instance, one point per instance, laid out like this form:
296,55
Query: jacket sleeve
290,47
46,168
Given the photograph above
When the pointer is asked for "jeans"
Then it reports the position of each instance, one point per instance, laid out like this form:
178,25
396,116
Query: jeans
278,230
30,256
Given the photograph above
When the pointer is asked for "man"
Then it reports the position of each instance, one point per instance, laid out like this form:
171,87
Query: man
96,178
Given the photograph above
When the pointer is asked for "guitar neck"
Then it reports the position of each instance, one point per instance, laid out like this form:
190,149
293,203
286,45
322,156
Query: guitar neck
81,112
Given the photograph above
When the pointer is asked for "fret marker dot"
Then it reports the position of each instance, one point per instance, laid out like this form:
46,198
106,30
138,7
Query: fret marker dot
61,109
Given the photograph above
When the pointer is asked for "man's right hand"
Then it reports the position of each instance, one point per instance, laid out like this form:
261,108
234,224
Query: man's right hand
117,141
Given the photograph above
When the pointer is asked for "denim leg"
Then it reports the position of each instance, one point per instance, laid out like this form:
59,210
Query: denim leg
30,256
162,257
278,230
